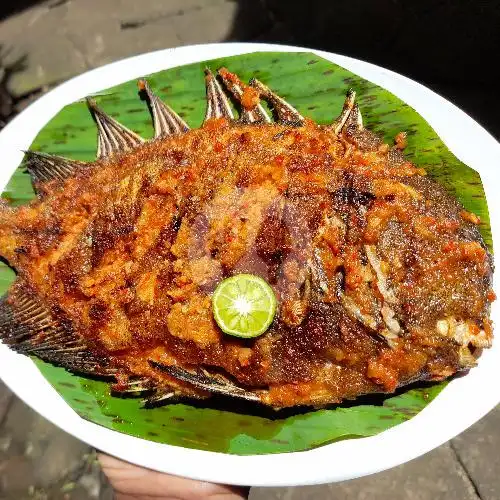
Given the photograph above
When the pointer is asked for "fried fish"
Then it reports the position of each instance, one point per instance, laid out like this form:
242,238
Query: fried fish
381,277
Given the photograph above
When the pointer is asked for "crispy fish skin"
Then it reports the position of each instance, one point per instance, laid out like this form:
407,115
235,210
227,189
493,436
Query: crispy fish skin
382,278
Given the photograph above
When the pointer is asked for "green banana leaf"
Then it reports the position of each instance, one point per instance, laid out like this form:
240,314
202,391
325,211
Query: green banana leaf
316,87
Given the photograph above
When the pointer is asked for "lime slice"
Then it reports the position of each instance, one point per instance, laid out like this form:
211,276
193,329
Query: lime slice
244,305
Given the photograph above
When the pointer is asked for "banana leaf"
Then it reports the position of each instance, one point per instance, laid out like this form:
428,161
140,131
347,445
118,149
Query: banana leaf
316,87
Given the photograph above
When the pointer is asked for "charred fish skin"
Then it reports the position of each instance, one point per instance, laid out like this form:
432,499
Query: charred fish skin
382,279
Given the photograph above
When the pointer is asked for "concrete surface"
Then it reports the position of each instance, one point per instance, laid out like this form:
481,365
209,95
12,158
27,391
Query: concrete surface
79,35
44,43
445,44
37,460
436,476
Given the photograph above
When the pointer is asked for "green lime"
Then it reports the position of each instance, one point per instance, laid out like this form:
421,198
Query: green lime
244,305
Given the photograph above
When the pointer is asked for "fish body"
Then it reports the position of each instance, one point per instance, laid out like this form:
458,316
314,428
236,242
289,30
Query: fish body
381,278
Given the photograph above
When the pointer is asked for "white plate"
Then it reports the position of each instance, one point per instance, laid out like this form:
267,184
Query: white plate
461,404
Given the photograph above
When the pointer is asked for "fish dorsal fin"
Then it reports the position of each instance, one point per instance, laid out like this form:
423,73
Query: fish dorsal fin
354,120
166,121
251,109
112,136
28,326
43,167
285,112
217,102
339,123
355,132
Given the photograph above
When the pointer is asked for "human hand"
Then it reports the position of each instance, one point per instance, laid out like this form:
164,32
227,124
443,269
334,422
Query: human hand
135,483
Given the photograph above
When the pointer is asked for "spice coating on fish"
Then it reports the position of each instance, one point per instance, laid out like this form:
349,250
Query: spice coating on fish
382,278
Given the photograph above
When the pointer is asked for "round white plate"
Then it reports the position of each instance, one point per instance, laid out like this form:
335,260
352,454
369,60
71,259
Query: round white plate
463,402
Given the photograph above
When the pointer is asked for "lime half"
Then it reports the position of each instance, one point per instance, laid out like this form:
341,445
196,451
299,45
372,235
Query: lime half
244,305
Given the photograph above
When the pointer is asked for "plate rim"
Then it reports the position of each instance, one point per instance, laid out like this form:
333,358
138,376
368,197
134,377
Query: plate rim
334,462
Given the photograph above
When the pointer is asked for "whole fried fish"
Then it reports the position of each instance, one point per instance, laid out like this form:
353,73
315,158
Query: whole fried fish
382,279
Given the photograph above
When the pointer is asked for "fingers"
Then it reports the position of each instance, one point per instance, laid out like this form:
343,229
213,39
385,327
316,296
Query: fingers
130,481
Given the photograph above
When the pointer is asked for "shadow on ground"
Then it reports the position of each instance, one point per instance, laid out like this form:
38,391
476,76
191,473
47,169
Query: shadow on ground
9,8
449,46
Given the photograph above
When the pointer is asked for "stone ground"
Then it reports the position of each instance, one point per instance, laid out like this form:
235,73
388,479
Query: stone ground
44,43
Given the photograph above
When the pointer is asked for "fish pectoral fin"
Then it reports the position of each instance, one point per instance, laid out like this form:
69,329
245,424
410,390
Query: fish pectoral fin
29,327
112,137
166,121
215,384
